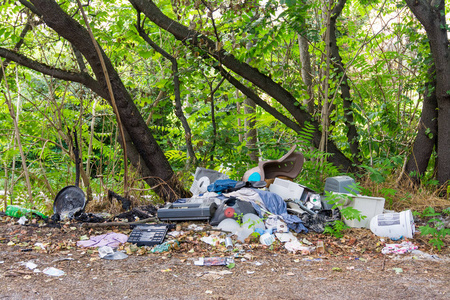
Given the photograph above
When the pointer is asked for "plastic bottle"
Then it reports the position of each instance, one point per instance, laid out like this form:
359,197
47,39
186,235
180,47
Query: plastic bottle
17,211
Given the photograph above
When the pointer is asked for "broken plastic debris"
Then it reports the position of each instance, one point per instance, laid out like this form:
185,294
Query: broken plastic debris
164,247
214,261
295,246
305,241
104,251
22,220
53,271
229,225
285,236
30,265
211,240
398,270
195,227
267,239
419,254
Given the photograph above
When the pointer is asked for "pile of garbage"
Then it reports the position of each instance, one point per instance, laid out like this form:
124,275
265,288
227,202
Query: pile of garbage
265,206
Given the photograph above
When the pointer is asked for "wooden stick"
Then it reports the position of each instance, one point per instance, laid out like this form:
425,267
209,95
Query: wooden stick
107,224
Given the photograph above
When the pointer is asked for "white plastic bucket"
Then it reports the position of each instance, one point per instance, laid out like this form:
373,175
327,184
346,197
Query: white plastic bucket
393,225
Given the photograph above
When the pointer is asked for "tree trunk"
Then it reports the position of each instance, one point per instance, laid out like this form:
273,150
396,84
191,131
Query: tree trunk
431,15
305,60
250,122
336,60
260,80
250,129
161,177
427,133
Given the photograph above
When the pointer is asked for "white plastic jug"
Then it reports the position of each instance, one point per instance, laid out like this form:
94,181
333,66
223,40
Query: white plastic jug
393,225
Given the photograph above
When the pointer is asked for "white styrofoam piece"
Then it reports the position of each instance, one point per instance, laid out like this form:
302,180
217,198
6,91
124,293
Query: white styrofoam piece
286,189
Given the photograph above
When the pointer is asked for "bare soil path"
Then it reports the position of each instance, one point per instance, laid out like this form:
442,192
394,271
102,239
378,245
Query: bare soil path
351,268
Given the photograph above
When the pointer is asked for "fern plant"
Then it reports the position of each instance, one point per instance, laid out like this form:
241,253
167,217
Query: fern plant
435,227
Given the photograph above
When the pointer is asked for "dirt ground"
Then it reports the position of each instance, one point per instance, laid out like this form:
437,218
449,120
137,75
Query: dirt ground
351,268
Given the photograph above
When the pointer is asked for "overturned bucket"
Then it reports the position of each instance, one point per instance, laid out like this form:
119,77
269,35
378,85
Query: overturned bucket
393,225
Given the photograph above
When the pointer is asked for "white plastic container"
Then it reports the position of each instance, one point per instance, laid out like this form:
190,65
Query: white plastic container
368,206
286,189
394,225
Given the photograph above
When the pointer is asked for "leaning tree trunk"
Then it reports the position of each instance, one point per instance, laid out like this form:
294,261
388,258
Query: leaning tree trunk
429,13
427,133
161,176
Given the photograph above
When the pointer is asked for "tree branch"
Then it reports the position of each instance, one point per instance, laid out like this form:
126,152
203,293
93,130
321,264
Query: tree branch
54,72
265,83
16,47
176,83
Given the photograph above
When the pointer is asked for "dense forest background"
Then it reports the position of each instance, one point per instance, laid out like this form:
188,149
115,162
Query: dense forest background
361,87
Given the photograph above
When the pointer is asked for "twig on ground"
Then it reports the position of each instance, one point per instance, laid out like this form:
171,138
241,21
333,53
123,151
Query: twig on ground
92,225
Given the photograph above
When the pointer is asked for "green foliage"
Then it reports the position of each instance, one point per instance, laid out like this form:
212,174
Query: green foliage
336,229
388,195
435,226
386,66
339,200
238,218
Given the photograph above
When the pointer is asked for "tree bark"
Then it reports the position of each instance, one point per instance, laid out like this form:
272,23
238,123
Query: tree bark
427,133
265,83
250,122
431,15
162,176
250,129
336,60
305,60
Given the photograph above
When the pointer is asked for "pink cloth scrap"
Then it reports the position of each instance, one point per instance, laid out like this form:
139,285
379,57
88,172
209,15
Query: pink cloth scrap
111,239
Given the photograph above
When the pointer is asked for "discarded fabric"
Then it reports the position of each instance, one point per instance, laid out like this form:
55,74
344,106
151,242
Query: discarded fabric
112,239
276,205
